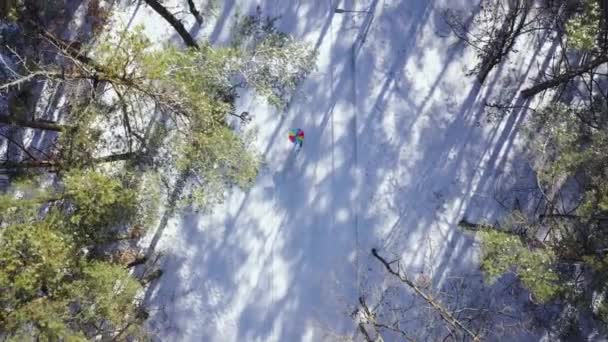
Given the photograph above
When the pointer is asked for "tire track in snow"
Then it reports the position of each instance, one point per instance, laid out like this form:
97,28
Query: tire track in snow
356,47
333,147
353,70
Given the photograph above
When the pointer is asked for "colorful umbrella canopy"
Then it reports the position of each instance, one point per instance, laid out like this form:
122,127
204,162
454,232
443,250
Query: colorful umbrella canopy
296,135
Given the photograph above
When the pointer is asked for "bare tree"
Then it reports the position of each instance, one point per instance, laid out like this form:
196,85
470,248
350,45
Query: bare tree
394,268
368,319
494,31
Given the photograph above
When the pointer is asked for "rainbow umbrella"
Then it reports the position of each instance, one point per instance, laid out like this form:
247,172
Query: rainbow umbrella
296,136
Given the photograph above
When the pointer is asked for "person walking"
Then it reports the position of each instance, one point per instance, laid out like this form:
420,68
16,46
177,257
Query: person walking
296,136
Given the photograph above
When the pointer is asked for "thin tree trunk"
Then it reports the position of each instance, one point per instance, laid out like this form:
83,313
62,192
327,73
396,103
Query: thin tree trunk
503,43
573,217
19,81
472,226
147,279
48,74
195,12
603,25
49,126
116,157
18,144
28,164
365,334
138,261
177,25
72,49
563,78
38,164
443,312
368,317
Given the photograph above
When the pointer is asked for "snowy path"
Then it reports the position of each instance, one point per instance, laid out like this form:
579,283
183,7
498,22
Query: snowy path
392,159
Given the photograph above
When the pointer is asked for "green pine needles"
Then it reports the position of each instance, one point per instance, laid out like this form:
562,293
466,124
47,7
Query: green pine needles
504,252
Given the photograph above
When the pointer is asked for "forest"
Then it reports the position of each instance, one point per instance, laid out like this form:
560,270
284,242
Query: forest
104,134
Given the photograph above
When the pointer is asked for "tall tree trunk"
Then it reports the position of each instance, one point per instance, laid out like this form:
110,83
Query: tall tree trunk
195,12
28,164
603,36
564,78
49,126
177,25
40,164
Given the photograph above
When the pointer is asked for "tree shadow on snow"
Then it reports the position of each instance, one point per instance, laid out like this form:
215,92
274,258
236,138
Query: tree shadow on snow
390,161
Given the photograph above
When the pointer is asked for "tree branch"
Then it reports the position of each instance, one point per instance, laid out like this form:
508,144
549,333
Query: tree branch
173,21
443,312
563,78
21,147
45,125
195,12
23,79
573,217
68,49
125,117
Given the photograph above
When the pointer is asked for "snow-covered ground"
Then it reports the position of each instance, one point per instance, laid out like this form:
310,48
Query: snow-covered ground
397,151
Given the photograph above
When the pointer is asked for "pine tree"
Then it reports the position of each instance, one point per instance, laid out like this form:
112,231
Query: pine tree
102,171
49,288
503,252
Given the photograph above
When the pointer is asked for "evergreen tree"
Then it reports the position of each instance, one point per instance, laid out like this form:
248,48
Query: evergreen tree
102,171
49,289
